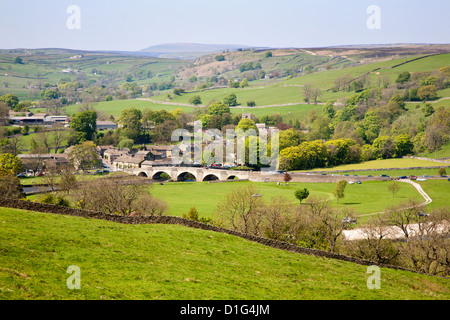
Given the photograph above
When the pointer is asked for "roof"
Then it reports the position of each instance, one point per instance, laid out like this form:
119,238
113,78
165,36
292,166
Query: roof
129,159
159,162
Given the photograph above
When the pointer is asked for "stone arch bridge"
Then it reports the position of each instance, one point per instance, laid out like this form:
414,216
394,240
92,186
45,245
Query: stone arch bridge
190,173
207,174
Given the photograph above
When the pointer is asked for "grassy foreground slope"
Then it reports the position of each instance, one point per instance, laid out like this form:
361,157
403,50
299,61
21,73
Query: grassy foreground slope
173,262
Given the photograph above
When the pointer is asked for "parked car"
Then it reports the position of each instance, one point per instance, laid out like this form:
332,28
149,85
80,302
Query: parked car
421,179
40,174
426,176
22,175
413,177
384,176
358,182
350,182
403,177
422,214
348,220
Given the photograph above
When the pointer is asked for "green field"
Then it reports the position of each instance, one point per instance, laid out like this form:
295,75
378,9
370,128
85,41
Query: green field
384,164
167,262
368,197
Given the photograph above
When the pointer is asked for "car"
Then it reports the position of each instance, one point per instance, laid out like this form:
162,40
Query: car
426,176
350,182
412,177
22,175
421,179
403,177
448,179
349,220
370,176
40,174
384,176
423,214
358,182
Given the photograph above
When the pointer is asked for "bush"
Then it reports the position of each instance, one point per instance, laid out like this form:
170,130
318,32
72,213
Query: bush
251,104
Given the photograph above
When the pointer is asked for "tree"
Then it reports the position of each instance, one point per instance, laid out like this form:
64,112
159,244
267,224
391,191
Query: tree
403,77
84,156
442,172
193,78
268,54
192,214
427,92
301,194
241,210
246,124
435,137
195,100
85,125
230,100
339,190
10,99
394,188
130,119
244,83
220,57
218,108
4,113
10,187
10,163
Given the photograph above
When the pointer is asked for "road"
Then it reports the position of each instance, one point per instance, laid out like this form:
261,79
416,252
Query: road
391,232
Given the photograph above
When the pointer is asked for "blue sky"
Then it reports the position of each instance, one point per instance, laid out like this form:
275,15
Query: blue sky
136,24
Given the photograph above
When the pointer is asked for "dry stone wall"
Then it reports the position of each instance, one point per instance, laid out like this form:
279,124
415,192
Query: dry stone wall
53,209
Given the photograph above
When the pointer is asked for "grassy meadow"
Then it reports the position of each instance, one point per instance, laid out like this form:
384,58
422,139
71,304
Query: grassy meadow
365,198
168,262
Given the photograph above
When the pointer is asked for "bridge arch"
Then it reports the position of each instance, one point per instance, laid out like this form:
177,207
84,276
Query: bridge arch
232,177
157,175
186,176
142,174
210,177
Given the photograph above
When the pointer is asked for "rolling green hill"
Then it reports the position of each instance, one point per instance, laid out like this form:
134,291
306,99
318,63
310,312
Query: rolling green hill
169,262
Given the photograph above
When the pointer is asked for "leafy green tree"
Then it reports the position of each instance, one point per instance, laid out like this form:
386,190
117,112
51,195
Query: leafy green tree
244,83
130,119
428,109
85,125
218,108
10,99
193,78
10,163
230,100
339,190
220,57
18,60
302,194
427,92
195,100
246,124
84,156
384,147
403,145
403,77
268,54
290,138
126,143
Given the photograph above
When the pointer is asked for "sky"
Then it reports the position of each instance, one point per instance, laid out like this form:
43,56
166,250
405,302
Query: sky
133,25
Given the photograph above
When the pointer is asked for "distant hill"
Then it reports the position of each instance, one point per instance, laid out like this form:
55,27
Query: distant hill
188,51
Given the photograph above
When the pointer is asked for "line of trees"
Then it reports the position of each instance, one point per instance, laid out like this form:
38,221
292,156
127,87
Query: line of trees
316,224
